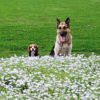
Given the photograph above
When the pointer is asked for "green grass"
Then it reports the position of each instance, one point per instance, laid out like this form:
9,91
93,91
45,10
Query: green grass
34,21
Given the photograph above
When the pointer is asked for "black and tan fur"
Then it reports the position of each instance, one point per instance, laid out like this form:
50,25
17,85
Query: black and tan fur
63,44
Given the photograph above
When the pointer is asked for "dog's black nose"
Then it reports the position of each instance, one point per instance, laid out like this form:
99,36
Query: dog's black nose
63,33
32,49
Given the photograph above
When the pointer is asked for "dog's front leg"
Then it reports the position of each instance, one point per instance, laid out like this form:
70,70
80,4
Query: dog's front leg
57,49
56,52
69,49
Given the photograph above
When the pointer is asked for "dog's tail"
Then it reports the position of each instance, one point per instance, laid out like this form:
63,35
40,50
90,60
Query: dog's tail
52,51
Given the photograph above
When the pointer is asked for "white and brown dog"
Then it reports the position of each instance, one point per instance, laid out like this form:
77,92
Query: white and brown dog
63,44
33,50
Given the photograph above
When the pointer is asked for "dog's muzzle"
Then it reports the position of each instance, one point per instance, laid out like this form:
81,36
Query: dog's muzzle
32,49
63,34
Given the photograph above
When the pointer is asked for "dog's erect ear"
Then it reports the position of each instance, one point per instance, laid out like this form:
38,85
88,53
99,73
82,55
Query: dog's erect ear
67,21
58,22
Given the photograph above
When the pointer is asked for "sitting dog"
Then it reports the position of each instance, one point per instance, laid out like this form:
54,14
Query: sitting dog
33,50
63,44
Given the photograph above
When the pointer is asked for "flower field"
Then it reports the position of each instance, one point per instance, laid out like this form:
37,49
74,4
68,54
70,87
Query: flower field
48,78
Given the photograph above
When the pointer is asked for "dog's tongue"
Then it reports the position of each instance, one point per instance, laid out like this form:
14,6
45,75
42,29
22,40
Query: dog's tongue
62,39
32,52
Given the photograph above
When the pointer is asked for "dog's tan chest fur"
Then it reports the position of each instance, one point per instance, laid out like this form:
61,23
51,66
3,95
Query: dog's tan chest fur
63,49
66,49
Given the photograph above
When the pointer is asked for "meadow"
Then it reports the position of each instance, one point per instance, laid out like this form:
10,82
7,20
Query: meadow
34,21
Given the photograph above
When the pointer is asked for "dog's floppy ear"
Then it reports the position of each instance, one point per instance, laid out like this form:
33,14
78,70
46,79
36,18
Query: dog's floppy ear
36,52
28,48
67,21
58,22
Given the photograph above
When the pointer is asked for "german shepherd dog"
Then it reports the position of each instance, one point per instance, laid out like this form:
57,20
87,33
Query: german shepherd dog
63,44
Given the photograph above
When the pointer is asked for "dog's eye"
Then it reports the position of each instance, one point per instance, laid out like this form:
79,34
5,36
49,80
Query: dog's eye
64,27
59,27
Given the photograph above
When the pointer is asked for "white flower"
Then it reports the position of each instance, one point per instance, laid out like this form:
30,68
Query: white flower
75,96
50,77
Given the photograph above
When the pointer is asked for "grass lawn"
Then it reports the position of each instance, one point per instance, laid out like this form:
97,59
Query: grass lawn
34,21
